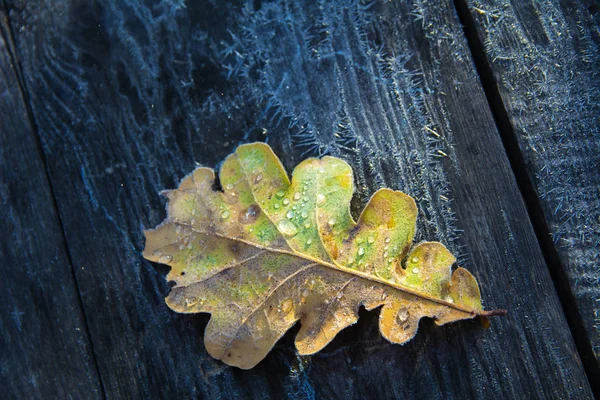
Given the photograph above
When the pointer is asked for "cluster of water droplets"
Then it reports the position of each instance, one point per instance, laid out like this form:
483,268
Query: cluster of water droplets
295,209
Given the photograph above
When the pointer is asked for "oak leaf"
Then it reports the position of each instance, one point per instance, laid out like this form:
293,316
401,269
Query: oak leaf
265,252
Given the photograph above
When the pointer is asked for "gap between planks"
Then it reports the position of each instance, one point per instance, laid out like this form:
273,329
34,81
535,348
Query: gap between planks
40,148
528,192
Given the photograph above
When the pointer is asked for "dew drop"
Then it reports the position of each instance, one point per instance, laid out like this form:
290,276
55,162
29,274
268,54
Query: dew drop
229,186
305,293
387,240
390,260
290,214
385,254
225,214
190,301
414,260
286,201
402,316
280,193
308,242
370,240
361,251
258,178
306,225
276,206
297,196
415,270
331,222
304,214
320,198
250,215
288,228
165,259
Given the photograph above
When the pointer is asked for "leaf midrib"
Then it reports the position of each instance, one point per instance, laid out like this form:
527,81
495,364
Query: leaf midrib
334,266
343,269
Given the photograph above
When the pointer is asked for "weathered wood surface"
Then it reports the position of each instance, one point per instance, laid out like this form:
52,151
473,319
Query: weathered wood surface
545,56
128,96
44,346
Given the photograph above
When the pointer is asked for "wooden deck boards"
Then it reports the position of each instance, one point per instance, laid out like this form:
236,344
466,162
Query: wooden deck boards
45,348
545,57
128,97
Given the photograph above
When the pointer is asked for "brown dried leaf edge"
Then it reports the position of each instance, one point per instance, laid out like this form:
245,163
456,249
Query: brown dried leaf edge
265,253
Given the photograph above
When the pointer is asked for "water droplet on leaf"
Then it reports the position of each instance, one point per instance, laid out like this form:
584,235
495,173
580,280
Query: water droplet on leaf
402,316
250,214
190,301
225,214
165,259
287,227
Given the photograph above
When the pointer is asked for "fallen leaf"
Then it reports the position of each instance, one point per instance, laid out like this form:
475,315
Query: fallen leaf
266,252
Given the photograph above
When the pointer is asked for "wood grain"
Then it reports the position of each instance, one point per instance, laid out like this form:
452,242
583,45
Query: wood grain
128,97
546,58
46,351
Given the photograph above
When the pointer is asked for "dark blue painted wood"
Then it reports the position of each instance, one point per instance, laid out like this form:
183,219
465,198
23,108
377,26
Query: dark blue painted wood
44,346
129,96
545,56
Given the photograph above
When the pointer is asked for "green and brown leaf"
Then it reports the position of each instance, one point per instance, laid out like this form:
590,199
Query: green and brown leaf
266,252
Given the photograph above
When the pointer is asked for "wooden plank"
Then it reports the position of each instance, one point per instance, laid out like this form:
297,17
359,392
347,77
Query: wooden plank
45,346
128,97
546,58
